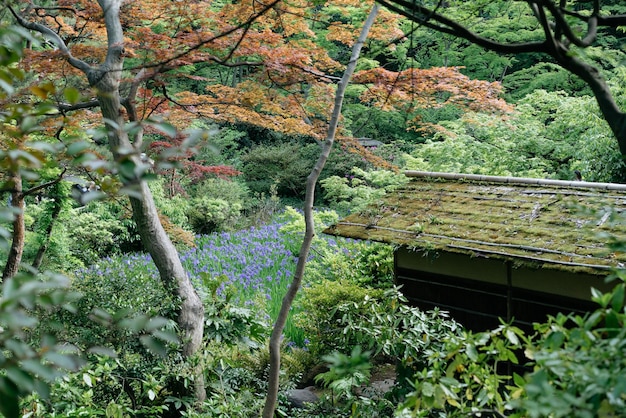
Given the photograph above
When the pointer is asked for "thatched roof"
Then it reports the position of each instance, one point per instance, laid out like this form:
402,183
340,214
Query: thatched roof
546,223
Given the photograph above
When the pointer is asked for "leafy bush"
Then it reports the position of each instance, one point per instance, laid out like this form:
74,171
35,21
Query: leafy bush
91,237
103,388
26,367
283,165
579,363
354,192
208,215
321,319
226,323
577,366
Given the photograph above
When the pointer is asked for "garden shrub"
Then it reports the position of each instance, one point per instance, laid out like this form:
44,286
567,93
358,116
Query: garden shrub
368,264
90,237
353,192
283,165
321,320
208,215
577,364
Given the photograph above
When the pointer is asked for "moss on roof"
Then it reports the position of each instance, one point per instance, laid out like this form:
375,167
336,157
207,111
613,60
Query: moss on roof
546,223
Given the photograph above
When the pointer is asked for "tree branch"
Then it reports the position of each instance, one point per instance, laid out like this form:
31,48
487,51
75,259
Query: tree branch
35,189
55,38
66,107
426,17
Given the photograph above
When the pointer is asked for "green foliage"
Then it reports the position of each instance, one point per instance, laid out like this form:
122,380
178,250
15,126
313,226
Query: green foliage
367,264
550,135
347,372
321,319
103,388
294,225
464,374
354,192
215,195
91,237
225,322
207,214
288,165
579,367
174,207
542,76
132,292
283,165
25,368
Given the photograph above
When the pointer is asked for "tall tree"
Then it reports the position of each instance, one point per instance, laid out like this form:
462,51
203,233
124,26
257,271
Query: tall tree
567,29
274,344
105,78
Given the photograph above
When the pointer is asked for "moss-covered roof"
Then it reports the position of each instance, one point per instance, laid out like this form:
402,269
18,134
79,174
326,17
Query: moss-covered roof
546,223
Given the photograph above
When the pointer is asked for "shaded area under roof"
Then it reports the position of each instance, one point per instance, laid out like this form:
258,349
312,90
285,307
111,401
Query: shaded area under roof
546,223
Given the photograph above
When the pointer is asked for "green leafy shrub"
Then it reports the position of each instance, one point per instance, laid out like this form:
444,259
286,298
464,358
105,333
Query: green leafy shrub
26,367
103,388
579,363
321,319
227,323
354,192
577,366
90,237
208,214
346,372
283,165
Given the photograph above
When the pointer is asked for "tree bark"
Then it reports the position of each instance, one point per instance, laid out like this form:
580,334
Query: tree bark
292,291
106,79
56,211
14,257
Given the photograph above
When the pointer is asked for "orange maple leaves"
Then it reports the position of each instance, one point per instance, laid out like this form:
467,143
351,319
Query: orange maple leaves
265,67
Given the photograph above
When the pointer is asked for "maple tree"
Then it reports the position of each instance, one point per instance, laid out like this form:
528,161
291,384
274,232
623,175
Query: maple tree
191,169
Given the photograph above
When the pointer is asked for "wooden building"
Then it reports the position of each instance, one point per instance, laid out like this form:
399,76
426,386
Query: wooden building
487,247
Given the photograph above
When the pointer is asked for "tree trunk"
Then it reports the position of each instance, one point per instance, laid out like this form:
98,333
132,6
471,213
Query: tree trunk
106,80
56,211
14,257
274,344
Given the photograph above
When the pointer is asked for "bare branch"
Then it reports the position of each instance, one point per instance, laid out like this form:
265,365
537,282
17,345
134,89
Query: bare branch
54,37
433,20
35,189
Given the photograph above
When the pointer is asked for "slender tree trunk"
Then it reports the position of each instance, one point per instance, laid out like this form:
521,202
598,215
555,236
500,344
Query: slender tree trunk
56,211
14,257
274,344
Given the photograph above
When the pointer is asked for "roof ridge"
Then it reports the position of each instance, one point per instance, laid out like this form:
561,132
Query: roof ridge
516,180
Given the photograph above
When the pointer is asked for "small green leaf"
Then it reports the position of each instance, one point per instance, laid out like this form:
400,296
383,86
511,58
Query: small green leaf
77,147
510,335
72,95
617,300
22,379
154,345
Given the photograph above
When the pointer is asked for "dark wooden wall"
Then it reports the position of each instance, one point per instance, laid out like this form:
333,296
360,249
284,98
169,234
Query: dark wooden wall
478,305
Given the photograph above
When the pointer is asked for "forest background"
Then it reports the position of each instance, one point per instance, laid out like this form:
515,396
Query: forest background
222,111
